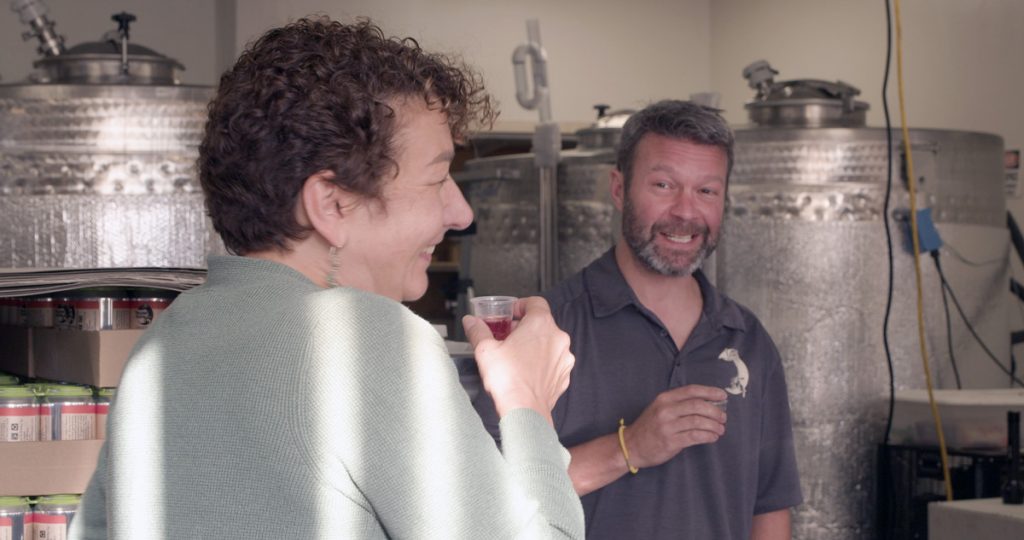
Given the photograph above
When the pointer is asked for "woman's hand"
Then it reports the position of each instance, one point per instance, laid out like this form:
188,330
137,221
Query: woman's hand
530,368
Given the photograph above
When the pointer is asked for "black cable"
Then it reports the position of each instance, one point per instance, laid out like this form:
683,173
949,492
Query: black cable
1017,289
949,326
946,246
885,488
1013,366
885,218
1016,238
945,284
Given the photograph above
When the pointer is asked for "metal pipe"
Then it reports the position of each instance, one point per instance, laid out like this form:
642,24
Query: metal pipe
123,20
548,228
547,143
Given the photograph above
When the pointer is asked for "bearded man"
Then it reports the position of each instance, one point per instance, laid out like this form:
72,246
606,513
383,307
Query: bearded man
676,416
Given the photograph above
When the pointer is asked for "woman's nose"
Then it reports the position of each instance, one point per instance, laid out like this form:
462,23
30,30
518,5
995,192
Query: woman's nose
458,214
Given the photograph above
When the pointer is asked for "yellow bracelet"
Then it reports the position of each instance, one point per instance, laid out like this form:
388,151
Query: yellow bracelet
622,444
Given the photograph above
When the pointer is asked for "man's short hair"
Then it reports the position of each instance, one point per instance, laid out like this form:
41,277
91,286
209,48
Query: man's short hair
311,96
676,119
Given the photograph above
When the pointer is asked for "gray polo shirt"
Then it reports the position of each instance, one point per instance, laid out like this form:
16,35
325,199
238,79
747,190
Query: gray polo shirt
624,358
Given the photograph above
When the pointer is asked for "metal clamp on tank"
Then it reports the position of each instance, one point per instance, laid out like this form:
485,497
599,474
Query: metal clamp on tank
33,13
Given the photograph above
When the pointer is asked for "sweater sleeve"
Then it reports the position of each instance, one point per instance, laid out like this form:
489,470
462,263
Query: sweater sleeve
90,521
401,432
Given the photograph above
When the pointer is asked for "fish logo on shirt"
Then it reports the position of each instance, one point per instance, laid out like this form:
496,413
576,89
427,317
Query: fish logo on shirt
738,384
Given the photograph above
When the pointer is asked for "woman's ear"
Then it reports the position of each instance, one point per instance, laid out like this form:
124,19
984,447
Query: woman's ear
325,207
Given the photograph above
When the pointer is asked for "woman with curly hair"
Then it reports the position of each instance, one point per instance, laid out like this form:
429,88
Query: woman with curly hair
292,395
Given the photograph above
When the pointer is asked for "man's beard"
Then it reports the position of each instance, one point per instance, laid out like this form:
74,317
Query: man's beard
648,253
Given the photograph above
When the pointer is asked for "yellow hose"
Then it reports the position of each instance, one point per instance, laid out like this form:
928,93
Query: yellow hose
912,187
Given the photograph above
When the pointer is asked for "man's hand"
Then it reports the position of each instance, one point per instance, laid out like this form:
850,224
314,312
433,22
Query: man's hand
675,420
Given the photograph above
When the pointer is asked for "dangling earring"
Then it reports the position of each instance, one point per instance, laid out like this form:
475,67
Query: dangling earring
332,261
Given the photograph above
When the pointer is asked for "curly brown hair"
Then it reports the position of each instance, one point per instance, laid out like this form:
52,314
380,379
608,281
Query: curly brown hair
311,96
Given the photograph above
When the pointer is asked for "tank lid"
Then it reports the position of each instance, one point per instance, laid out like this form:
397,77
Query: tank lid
801,102
111,60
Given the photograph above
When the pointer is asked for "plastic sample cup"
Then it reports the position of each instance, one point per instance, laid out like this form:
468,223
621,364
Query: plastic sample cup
496,311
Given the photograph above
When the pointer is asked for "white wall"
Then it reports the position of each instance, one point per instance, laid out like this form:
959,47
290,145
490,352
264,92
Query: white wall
599,51
185,30
963,59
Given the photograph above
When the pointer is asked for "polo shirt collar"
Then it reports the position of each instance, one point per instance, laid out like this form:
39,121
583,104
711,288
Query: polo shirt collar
610,293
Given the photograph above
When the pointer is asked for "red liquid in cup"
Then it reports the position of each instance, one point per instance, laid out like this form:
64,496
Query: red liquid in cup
500,327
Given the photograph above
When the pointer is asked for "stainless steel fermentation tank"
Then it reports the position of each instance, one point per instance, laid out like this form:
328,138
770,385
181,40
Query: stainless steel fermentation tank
804,248
97,157
504,191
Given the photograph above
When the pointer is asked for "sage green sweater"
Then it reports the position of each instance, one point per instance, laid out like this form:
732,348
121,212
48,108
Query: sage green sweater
262,406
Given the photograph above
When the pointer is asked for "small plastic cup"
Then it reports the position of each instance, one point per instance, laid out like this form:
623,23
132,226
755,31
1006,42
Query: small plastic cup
496,311
722,405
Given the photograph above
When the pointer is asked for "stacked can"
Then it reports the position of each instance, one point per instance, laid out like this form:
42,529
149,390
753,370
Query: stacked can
104,396
53,514
19,414
16,519
66,412
92,309
39,312
12,311
101,313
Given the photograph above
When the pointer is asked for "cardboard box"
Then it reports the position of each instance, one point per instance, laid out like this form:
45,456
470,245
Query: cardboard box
95,358
47,468
970,418
16,350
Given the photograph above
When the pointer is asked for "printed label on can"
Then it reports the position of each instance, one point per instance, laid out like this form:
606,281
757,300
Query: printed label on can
67,422
46,422
101,420
16,526
21,313
146,310
77,422
12,311
63,314
50,526
19,424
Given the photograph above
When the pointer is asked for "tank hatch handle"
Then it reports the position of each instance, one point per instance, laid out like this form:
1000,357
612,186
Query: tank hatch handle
601,109
33,13
123,20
